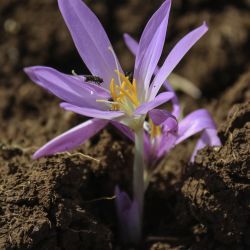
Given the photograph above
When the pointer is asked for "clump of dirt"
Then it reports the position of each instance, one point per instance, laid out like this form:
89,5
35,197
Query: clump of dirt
42,205
62,202
217,187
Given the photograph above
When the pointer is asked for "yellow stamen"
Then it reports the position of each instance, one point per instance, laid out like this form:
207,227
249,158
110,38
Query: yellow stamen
123,77
115,105
132,97
134,86
112,88
124,94
154,130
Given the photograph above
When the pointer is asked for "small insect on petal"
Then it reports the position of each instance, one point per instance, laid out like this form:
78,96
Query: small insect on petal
95,79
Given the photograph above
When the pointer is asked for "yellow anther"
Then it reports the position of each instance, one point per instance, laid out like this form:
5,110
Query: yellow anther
123,77
124,93
132,97
123,85
154,130
134,86
112,89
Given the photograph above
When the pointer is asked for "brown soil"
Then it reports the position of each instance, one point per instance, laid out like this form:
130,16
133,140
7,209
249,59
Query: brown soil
41,204
66,202
217,185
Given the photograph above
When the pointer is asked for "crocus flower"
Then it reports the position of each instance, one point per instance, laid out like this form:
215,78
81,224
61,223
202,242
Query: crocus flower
116,98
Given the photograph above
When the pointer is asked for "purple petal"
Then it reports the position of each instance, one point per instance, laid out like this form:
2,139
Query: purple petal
160,116
175,101
159,100
168,141
131,43
164,142
128,216
150,46
69,88
194,123
174,57
208,137
72,138
154,150
90,39
89,112
133,46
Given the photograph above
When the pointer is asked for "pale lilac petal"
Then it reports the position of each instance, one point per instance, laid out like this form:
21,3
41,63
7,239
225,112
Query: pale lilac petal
155,150
69,88
209,137
131,43
150,47
159,100
98,89
163,117
133,46
194,123
72,138
90,38
174,57
175,101
125,130
128,216
168,141
89,112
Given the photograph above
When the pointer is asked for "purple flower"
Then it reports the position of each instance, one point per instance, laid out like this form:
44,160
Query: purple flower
165,132
116,99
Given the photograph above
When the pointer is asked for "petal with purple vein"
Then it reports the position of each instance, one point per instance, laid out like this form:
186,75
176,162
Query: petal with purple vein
133,46
89,112
90,39
72,138
159,100
194,123
69,88
174,57
150,48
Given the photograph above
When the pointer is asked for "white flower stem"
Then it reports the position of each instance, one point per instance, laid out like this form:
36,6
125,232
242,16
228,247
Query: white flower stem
138,176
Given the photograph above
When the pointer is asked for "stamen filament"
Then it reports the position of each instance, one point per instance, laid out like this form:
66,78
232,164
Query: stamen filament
108,102
123,77
132,98
112,89
134,86
116,62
